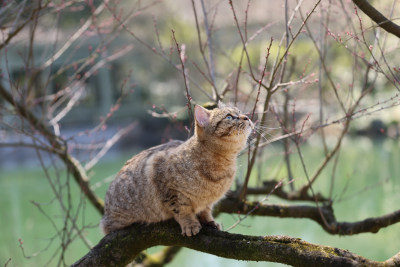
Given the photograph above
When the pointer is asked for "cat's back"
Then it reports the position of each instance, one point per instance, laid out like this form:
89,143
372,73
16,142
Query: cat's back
133,184
139,162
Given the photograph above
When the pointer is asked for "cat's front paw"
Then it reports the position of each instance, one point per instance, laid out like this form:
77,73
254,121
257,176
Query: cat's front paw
192,228
213,224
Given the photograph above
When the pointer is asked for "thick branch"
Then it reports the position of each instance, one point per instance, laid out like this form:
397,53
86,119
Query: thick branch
376,16
121,247
369,225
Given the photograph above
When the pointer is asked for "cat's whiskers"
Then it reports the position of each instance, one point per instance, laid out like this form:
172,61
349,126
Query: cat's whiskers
262,134
267,127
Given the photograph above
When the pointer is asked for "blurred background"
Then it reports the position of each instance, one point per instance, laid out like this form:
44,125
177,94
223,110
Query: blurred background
110,78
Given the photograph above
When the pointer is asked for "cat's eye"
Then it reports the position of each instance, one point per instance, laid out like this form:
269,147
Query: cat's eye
229,117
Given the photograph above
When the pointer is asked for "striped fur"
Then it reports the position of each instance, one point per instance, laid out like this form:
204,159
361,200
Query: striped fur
180,180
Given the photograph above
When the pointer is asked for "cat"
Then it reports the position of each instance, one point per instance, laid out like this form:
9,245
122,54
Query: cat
180,180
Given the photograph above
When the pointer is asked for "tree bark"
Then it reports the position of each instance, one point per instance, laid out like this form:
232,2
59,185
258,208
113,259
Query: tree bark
121,247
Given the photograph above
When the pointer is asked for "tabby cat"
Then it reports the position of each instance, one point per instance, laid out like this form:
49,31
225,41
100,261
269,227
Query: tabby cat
180,180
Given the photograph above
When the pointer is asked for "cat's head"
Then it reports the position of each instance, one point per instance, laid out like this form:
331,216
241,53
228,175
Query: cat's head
225,126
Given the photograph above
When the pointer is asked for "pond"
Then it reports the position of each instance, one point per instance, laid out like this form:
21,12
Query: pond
367,185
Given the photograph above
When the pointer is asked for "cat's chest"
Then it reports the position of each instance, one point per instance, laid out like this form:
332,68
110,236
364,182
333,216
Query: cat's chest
212,185
202,178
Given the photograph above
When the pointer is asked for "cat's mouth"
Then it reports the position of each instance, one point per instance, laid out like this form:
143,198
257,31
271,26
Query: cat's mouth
251,124
246,127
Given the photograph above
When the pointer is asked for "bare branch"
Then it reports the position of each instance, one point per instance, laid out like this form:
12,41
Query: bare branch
210,50
72,164
74,37
182,56
110,142
331,225
376,16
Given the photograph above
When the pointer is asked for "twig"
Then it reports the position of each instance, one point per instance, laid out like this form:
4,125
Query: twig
276,68
244,44
76,93
373,60
122,23
262,78
17,29
210,51
7,262
72,164
252,158
311,188
355,115
188,97
110,142
279,184
73,38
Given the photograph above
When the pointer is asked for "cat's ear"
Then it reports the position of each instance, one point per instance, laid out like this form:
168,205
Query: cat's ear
221,105
201,115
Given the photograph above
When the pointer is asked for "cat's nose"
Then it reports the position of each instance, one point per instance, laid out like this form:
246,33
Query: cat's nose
244,117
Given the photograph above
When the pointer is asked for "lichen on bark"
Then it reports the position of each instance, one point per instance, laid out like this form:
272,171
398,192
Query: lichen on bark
122,247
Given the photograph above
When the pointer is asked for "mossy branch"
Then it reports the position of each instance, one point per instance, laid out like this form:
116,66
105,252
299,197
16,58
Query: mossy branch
121,247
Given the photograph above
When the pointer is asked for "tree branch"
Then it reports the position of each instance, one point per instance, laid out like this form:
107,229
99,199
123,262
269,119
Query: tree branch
376,16
270,186
369,225
60,149
121,247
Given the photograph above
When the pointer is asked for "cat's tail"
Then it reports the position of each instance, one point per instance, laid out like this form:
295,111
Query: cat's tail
109,224
104,225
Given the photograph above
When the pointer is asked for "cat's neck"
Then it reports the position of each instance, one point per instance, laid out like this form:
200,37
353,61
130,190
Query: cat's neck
215,149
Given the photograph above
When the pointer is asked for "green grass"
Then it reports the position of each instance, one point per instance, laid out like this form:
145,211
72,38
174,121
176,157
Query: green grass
366,184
